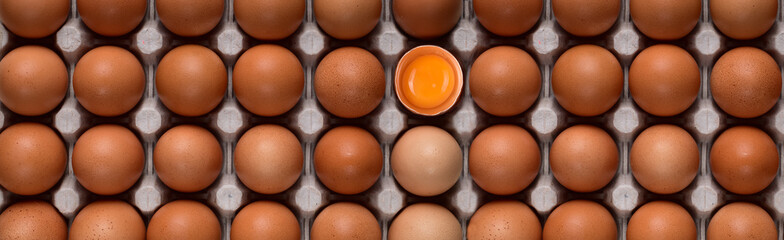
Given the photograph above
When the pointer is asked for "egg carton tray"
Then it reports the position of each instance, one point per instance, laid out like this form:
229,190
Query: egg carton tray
308,120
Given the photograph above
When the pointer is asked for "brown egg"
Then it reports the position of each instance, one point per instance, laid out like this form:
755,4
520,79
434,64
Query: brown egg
661,220
743,19
265,220
664,159
664,80
111,18
586,18
184,219
580,219
349,82
505,81
746,82
508,18
427,19
665,19
268,80
347,19
33,80
34,18
504,159
744,160
188,158
108,159
504,219
32,158
191,80
425,221
426,161
584,158
110,219
189,18
32,220
348,160
108,81
587,80
345,220
280,19
268,159
741,220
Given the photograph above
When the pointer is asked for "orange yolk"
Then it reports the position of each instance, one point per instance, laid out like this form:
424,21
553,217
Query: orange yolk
428,81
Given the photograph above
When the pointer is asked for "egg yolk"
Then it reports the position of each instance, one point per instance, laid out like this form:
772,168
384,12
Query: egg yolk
428,81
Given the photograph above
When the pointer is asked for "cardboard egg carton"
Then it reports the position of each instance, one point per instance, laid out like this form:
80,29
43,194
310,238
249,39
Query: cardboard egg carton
545,42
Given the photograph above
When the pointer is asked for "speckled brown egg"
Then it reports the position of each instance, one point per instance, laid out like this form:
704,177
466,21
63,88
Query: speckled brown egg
349,82
664,159
280,19
112,18
108,219
32,158
108,81
425,221
580,219
746,82
108,159
508,17
505,81
345,220
426,161
584,158
33,80
586,18
268,80
32,220
188,158
265,220
347,19
741,220
184,219
189,18
743,19
664,80
191,80
503,159
744,160
665,19
661,220
348,160
427,19
587,80
268,159
34,18
504,219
